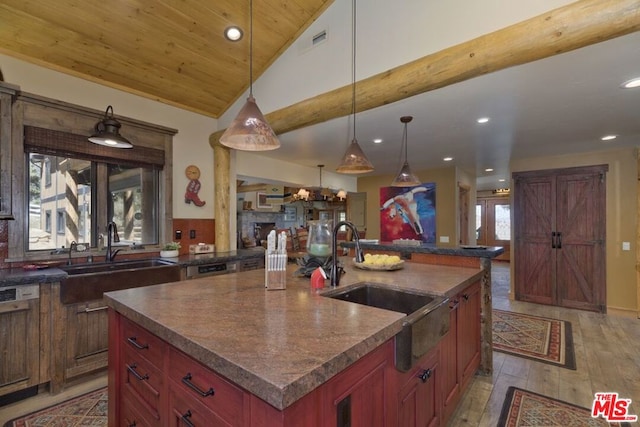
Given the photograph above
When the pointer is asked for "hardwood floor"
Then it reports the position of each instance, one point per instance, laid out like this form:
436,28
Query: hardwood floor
607,352
607,356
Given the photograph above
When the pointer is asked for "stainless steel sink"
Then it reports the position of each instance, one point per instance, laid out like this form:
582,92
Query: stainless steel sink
87,282
426,323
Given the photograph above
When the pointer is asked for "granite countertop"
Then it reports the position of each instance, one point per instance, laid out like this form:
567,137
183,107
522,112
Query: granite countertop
19,276
430,248
277,344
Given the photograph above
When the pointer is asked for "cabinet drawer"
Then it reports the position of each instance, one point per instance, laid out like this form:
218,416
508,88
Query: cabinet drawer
143,342
133,413
142,379
198,383
187,411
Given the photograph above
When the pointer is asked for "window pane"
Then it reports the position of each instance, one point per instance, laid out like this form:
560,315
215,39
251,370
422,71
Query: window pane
59,210
502,222
134,201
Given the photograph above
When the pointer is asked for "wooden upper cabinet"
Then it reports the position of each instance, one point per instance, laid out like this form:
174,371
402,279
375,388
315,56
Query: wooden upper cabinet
7,96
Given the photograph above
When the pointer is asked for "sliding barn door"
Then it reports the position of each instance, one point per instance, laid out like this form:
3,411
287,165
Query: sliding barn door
533,220
580,252
559,230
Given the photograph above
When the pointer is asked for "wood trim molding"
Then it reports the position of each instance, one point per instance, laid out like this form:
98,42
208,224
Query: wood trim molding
567,28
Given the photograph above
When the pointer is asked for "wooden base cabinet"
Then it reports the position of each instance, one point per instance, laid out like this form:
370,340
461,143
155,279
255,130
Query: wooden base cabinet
419,397
79,339
460,348
19,344
153,383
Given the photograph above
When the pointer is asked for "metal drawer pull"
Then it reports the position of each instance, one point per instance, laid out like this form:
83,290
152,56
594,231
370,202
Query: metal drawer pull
89,310
134,342
425,375
132,369
187,380
185,418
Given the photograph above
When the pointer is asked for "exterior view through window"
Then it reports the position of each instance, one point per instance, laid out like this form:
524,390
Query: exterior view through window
64,204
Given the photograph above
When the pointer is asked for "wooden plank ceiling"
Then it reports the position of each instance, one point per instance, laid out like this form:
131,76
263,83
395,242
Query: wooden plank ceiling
173,51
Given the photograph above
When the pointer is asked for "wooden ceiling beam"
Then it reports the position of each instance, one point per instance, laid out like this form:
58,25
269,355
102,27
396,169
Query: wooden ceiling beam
567,28
251,187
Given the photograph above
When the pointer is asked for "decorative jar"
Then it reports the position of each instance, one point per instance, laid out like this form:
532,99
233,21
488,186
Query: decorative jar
320,238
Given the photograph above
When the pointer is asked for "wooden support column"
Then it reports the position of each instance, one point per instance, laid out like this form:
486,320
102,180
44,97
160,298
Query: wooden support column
222,205
567,28
486,319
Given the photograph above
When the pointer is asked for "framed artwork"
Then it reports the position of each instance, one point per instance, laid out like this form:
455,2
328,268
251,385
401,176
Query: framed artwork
262,201
408,213
290,213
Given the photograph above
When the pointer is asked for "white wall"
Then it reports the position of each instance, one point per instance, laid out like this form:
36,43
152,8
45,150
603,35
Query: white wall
389,33
191,143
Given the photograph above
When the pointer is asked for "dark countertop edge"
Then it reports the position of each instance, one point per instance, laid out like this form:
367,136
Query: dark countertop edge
199,259
278,397
18,276
489,252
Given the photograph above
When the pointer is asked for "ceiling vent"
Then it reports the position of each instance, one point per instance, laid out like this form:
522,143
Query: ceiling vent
306,44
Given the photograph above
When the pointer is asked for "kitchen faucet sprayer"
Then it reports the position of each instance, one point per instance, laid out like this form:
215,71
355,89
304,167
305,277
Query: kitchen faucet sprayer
112,232
336,270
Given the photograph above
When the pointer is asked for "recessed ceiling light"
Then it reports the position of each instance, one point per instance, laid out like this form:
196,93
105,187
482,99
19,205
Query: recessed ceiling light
483,120
629,84
488,170
233,33
448,159
609,137
377,140
501,180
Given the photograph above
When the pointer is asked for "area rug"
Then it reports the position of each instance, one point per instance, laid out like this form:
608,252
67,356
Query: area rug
524,408
83,411
533,337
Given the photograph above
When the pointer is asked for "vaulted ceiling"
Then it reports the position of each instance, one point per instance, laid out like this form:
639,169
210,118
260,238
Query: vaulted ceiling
173,51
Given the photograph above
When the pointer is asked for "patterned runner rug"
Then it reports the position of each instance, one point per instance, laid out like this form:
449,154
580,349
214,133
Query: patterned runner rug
86,410
538,338
524,408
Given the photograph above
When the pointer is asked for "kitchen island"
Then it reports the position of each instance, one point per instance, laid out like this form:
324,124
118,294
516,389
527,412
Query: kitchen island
279,352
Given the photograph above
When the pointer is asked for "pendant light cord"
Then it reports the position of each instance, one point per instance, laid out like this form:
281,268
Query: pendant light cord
353,69
251,48
406,144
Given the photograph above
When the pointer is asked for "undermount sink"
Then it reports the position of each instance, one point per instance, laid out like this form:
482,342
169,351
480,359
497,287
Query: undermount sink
86,282
426,323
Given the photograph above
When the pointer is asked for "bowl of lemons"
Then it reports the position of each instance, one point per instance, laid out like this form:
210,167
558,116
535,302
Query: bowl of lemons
380,262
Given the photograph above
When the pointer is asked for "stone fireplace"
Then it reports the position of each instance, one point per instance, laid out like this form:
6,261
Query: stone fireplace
257,225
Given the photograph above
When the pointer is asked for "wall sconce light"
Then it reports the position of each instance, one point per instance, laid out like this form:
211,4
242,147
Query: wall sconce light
107,132
341,194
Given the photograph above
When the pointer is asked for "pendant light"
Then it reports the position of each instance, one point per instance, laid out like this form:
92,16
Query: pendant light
405,177
326,193
249,131
354,161
107,132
